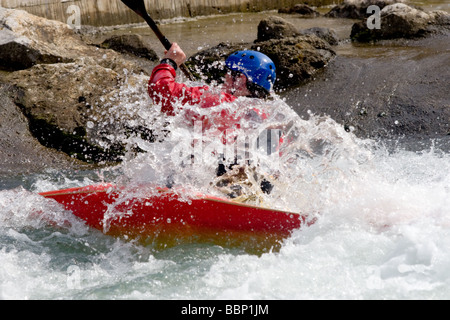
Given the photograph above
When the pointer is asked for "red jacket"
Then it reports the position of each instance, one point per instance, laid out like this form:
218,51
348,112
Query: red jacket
165,91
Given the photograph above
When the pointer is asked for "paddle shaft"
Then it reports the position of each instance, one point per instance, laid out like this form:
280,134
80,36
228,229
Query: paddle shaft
138,6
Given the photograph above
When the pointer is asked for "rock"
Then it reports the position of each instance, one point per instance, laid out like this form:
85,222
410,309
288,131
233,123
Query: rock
357,9
133,44
297,59
21,152
209,64
401,21
326,34
56,99
21,36
27,40
301,9
441,18
276,28
58,94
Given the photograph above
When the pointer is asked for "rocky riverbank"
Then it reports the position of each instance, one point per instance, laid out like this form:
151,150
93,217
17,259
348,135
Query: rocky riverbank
53,84
59,80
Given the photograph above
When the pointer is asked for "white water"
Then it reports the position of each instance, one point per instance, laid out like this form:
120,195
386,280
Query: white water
382,230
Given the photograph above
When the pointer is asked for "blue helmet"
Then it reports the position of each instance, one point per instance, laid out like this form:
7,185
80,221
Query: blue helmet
257,67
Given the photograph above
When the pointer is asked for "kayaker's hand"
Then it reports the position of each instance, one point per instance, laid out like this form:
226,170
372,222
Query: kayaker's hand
176,54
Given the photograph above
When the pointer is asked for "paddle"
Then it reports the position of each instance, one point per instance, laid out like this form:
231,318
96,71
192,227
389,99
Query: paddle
138,6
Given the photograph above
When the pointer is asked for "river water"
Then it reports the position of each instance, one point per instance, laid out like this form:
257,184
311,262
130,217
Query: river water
382,208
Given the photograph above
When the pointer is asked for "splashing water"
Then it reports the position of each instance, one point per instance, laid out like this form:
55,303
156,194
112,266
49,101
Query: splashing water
298,156
382,229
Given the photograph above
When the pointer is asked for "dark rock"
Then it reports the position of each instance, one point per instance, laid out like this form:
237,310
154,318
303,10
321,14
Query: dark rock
326,34
21,35
356,9
276,28
21,152
402,21
63,81
297,59
57,100
301,9
133,44
209,64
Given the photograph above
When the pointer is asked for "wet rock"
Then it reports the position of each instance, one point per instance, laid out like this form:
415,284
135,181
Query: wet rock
301,9
357,9
209,64
58,94
21,152
297,59
56,100
402,21
326,34
276,28
132,44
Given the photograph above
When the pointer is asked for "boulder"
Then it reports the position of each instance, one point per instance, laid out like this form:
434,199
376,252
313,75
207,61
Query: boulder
275,27
357,9
301,9
21,36
21,151
27,40
402,21
131,43
61,81
326,34
297,59
57,98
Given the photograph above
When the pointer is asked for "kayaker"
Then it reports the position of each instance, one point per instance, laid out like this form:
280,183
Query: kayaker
249,74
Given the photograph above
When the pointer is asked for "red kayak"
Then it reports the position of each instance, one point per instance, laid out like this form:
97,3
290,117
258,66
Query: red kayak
164,218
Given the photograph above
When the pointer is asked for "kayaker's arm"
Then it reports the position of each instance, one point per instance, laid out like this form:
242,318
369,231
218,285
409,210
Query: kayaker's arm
164,90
